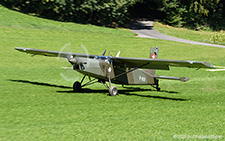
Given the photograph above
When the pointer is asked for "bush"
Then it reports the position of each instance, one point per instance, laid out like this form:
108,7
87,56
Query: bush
218,37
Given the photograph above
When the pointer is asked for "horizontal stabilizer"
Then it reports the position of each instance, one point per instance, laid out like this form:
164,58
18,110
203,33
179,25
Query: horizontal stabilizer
183,79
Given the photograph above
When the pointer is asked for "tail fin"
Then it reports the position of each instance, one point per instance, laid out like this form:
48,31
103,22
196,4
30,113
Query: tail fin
153,55
154,52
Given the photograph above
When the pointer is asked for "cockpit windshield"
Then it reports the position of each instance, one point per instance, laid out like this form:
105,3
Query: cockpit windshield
106,58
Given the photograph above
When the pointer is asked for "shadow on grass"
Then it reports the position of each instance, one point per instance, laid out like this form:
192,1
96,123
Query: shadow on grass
140,89
127,93
40,84
121,92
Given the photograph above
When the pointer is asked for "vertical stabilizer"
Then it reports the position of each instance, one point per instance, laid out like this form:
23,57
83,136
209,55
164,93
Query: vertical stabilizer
153,55
154,52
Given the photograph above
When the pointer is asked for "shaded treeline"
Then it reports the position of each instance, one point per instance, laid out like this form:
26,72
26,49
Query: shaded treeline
198,14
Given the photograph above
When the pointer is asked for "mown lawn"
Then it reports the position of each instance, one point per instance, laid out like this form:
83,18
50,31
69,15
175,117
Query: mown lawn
38,104
200,36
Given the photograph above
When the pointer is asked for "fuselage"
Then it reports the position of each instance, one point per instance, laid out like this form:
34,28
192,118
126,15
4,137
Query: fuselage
103,68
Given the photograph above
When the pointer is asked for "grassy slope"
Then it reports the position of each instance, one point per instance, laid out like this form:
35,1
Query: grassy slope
200,36
36,103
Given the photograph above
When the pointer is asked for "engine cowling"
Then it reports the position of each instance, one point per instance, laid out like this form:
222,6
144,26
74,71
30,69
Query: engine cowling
73,61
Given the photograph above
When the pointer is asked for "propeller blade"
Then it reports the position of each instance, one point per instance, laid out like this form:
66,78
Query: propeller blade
67,73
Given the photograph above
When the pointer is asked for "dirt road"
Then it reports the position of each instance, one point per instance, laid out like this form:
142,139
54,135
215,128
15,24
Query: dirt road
144,29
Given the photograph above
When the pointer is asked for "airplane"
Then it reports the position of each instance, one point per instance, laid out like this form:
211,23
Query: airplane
119,70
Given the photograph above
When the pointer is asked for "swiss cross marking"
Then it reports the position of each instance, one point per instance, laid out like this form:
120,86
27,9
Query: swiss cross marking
153,56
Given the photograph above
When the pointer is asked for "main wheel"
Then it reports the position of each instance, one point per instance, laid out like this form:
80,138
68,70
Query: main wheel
158,89
113,91
77,87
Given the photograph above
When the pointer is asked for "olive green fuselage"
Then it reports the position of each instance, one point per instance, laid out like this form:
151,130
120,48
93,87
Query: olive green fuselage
105,69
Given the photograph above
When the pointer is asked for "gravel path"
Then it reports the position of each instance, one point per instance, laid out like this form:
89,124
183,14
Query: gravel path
144,29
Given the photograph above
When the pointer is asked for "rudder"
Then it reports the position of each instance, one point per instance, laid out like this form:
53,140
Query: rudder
154,52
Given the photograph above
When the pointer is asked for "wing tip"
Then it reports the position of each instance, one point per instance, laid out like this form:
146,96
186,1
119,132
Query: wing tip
184,79
21,49
207,64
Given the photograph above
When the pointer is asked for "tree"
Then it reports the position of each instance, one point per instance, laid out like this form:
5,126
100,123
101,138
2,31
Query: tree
188,13
174,12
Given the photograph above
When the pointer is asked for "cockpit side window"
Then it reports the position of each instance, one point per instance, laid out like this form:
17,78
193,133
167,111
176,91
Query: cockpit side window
96,57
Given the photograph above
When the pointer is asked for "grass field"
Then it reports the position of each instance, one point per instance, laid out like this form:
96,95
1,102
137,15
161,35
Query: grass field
37,104
200,36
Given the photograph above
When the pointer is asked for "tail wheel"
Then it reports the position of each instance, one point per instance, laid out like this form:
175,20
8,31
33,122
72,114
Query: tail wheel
113,91
158,89
77,86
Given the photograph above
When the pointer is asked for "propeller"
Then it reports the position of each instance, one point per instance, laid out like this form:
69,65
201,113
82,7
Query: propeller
68,73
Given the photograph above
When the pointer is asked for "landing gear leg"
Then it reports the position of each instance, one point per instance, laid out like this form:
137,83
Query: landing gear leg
157,86
113,91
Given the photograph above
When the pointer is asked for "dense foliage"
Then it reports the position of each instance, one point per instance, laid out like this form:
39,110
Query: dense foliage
198,14
100,12
194,13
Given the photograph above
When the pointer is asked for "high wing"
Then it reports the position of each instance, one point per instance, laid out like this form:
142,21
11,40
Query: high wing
129,62
159,63
52,53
